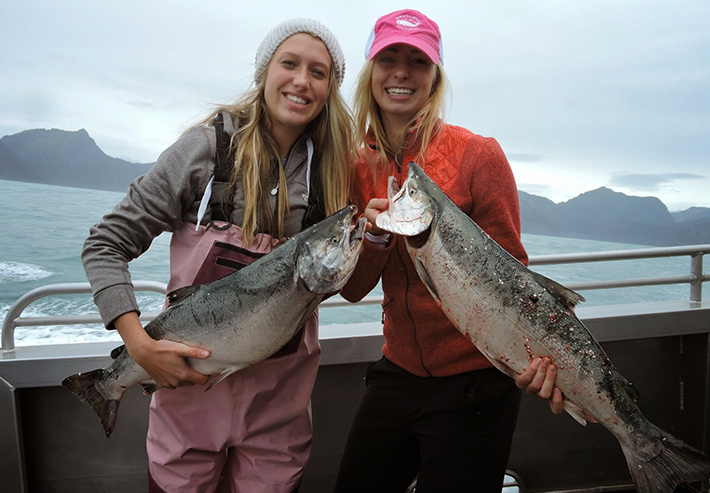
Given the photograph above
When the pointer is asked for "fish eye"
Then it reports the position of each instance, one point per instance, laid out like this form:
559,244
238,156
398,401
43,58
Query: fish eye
412,191
335,240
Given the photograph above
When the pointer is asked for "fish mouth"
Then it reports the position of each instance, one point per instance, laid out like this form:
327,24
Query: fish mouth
329,260
406,214
352,235
358,232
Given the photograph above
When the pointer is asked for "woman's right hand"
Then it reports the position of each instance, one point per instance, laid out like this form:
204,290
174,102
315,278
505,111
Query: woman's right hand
163,360
373,209
539,379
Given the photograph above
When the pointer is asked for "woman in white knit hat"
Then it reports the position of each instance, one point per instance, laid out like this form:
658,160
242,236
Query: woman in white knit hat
250,175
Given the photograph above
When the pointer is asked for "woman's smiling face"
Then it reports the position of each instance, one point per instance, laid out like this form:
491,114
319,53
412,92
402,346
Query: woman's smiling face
296,86
402,80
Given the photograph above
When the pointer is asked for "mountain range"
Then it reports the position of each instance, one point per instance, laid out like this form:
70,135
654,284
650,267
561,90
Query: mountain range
606,215
59,157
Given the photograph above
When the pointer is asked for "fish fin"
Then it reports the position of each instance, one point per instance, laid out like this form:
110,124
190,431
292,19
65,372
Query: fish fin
220,377
426,279
116,352
568,297
630,389
181,294
83,385
580,415
504,368
575,412
307,312
498,364
675,462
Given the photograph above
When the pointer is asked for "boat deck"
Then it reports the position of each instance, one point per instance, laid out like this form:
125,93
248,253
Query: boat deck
51,442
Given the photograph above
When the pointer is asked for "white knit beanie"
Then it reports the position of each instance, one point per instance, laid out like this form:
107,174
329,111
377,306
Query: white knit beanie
285,30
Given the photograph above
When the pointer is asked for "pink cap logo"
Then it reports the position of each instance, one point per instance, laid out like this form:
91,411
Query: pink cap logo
408,22
409,27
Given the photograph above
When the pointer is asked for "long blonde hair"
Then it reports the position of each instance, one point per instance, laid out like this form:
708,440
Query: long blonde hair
254,150
368,118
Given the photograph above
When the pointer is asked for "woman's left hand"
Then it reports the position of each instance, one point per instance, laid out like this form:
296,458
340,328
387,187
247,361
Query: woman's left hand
539,379
374,208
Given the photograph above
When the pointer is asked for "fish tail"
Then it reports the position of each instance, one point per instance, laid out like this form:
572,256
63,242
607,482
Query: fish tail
674,463
84,386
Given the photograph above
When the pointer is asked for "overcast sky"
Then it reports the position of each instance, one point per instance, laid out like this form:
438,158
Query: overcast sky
580,93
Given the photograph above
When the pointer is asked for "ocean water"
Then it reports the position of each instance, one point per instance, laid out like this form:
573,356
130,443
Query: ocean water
43,228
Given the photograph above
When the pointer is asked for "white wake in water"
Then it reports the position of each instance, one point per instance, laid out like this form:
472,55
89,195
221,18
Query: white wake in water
19,272
67,306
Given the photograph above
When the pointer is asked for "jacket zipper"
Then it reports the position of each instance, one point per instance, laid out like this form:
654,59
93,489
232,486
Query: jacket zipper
398,164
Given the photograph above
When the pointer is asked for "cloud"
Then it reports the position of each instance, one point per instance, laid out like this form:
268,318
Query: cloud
592,93
649,182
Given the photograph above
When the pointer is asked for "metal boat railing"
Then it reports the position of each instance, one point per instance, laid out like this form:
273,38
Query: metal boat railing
695,278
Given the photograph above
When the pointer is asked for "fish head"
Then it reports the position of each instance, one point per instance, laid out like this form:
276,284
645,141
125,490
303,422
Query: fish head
411,208
330,251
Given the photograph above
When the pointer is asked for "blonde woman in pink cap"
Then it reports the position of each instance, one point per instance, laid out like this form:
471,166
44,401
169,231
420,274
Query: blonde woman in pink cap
433,405
252,174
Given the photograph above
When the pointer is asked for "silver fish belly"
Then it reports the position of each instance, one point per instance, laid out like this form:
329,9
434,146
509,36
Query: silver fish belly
243,318
513,315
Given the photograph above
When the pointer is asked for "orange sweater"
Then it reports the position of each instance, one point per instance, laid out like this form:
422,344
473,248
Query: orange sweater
473,171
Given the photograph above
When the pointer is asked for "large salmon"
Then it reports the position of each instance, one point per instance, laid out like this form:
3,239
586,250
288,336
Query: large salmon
243,318
513,315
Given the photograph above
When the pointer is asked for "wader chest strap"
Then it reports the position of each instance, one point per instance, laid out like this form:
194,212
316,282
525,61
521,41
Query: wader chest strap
221,204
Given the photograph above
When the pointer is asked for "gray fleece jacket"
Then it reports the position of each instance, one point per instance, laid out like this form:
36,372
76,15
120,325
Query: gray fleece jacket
163,200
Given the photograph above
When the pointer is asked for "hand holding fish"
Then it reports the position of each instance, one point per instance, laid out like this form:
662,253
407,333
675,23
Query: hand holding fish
238,320
519,319
373,209
539,379
163,360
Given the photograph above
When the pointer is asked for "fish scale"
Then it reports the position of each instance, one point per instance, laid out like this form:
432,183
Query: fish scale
532,310
242,318
513,315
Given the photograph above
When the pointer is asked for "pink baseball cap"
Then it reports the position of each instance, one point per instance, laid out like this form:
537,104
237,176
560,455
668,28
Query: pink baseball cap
409,27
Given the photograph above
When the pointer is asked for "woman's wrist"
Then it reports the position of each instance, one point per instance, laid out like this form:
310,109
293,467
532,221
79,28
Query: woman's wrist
379,240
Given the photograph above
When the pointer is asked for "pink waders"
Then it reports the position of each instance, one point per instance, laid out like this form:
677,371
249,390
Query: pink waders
254,428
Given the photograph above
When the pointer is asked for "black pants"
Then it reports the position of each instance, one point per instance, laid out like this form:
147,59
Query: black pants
455,432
